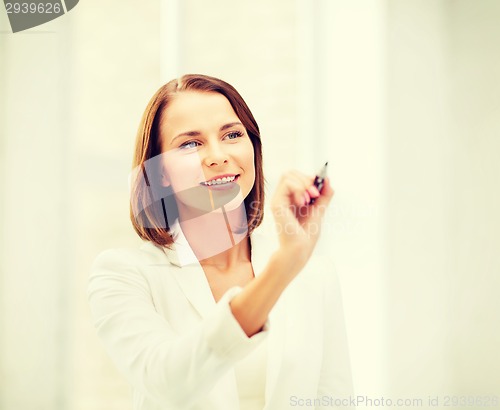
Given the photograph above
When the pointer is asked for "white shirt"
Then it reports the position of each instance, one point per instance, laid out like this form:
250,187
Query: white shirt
250,375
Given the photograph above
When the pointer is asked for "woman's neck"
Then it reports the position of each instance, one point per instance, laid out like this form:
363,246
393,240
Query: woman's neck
216,238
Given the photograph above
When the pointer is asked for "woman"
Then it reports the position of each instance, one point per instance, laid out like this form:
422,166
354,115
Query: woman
208,314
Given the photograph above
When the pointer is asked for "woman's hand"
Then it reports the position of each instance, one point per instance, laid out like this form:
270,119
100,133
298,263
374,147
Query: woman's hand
298,223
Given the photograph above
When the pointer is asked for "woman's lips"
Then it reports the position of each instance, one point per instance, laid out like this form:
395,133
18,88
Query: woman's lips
222,187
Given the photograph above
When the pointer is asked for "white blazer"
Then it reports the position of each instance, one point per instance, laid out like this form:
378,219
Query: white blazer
158,321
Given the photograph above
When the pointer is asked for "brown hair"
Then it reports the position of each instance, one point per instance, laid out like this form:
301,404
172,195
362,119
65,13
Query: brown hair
147,212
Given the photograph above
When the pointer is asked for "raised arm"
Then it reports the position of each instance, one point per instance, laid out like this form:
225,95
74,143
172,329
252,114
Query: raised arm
298,227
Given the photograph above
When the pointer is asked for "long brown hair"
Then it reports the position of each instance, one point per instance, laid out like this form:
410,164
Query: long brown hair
147,211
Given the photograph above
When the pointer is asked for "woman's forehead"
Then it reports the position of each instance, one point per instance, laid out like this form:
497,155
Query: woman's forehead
196,111
189,106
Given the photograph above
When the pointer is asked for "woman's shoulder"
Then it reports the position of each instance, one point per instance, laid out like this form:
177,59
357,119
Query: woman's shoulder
147,254
125,270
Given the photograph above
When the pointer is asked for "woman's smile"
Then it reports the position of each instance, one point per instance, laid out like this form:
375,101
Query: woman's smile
220,182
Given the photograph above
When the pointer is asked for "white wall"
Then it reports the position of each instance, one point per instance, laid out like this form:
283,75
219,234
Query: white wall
443,221
352,117
474,280
35,220
418,174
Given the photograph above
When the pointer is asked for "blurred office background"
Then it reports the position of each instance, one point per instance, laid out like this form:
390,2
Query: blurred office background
402,97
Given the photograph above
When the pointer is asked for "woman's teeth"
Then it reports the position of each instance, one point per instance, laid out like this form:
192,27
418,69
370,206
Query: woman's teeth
220,181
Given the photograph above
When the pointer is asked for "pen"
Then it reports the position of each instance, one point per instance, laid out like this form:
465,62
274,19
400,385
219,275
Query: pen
319,181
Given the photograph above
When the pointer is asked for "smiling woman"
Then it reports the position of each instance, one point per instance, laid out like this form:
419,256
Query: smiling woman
186,318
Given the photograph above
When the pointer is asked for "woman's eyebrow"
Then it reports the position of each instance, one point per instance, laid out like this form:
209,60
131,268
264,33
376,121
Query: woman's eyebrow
196,133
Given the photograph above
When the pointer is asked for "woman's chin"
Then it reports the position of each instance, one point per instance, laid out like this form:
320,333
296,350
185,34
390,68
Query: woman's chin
201,208
232,205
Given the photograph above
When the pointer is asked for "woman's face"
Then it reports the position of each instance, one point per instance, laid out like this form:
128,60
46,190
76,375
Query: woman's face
202,139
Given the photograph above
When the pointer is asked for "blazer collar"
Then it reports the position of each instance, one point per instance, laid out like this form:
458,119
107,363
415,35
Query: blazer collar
181,254
190,274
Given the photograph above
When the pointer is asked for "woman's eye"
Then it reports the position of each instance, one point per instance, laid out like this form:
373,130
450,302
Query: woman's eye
234,135
189,144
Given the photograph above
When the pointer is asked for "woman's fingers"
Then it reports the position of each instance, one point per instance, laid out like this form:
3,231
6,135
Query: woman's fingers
298,223
299,189
310,191
322,202
313,191
307,198
291,190
327,192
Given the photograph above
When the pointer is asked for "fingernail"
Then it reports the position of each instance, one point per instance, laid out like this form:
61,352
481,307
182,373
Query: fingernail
315,190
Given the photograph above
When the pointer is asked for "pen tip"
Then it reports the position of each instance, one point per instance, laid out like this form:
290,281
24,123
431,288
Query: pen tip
326,163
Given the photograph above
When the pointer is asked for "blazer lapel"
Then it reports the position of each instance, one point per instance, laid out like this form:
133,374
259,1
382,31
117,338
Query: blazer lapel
196,288
188,273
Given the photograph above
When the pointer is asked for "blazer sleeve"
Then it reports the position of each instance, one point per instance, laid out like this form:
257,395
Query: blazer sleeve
335,378
171,369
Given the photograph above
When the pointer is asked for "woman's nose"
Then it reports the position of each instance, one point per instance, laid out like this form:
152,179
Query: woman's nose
215,155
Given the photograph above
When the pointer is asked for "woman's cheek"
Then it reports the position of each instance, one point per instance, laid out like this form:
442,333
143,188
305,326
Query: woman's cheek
245,153
182,171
